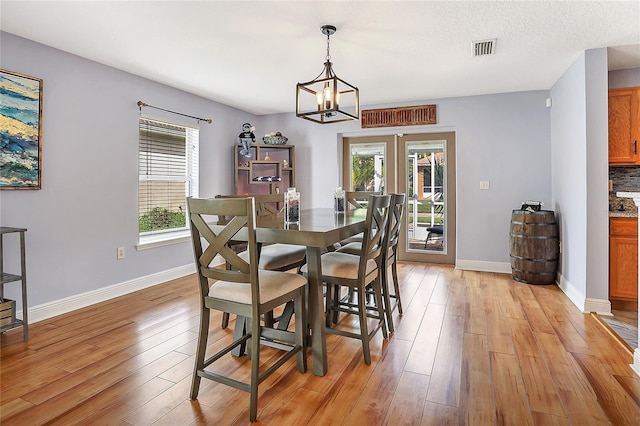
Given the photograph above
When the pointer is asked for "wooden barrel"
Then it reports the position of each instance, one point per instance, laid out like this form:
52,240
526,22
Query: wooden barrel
534,246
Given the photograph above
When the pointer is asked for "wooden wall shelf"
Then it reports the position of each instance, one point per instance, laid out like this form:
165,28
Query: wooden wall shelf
266,161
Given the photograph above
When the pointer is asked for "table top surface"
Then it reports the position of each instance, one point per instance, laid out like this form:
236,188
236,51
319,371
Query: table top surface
317,227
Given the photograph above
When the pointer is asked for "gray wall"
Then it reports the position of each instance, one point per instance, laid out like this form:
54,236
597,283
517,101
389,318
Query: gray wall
88,203
579,161
503,138
87,207
624,78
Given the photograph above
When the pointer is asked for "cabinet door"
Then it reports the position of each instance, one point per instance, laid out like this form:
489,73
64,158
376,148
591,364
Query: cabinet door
623,120
623,273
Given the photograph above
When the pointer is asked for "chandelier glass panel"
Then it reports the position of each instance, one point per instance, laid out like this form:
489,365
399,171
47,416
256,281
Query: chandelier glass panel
327,98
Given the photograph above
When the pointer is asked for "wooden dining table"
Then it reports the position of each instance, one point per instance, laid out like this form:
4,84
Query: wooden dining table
317,230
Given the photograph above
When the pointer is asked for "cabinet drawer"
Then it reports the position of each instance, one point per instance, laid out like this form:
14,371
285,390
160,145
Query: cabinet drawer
623,226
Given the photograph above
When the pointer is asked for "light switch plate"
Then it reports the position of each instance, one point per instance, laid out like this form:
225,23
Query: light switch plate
484,184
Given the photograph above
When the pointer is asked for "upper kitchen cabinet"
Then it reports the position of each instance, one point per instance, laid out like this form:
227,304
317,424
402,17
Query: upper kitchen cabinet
624,126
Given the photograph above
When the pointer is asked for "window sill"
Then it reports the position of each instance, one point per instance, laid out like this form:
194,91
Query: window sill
160,240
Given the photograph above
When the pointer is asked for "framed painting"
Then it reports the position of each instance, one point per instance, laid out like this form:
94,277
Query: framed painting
20,131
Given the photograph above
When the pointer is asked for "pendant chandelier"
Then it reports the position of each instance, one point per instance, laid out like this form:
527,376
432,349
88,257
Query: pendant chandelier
327,98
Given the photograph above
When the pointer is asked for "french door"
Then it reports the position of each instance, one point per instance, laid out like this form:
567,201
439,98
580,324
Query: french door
423,167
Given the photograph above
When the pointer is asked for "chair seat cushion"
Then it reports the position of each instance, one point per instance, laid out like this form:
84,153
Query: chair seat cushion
272,285
355,248
278,256
436,229
342,265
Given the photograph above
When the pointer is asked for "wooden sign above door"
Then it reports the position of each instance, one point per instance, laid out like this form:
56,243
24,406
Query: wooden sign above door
403,116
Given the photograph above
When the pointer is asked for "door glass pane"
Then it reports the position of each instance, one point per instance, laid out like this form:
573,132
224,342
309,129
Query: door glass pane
426,227
367,167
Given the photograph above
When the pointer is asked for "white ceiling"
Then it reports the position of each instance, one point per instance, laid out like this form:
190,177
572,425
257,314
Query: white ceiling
251,54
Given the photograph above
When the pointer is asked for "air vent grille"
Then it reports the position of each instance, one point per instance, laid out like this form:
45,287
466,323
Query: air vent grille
484,47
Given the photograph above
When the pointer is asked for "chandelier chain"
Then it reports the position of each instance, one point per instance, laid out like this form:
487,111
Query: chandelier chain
328,57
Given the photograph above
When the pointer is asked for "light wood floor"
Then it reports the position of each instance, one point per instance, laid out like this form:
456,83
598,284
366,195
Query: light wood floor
471,348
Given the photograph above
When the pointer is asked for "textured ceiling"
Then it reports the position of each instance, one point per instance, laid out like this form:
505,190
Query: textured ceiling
251,54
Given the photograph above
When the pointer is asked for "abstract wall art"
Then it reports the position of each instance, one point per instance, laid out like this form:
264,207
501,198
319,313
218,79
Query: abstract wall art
20,131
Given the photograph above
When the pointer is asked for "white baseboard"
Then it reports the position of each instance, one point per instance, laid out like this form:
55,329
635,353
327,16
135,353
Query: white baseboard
586,305
482,266
572,292
599,306
636,361
71,303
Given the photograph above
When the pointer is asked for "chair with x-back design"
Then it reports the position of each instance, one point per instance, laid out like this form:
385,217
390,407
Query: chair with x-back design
273,257
357,273
242,289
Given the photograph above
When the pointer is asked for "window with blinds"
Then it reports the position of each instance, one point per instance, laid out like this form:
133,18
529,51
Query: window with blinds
168,174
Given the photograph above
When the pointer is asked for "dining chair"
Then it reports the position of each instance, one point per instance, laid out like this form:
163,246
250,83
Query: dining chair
435,233
390,243
357,200
243,289
357,272
273,257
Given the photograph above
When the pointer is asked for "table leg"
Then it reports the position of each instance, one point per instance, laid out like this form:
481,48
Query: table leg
316,312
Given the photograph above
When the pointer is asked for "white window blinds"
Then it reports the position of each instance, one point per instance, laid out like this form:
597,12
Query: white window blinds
168,173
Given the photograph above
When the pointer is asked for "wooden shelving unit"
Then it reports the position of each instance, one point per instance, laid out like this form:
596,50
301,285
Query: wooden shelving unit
267,161
8,320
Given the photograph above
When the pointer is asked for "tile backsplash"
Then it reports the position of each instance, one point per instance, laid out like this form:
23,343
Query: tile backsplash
624,179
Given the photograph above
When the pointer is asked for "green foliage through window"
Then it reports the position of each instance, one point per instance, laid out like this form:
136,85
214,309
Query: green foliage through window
159,218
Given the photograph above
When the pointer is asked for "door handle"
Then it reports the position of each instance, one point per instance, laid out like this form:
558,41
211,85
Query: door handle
635,147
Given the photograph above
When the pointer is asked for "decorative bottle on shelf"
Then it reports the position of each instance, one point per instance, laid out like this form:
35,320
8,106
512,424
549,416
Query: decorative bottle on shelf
339,201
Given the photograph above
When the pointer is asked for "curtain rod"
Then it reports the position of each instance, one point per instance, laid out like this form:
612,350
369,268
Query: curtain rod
142,104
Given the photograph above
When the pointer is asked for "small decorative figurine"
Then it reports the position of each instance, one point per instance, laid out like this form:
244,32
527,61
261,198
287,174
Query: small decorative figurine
266,157
285,163
246,139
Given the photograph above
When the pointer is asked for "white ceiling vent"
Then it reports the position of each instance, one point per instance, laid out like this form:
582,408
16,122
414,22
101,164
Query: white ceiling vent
483,47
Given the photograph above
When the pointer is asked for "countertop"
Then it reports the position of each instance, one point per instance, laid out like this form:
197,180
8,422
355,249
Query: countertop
622,214
631,206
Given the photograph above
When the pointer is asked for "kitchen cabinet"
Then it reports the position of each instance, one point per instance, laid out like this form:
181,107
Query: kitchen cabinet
269,170
624,126
623,262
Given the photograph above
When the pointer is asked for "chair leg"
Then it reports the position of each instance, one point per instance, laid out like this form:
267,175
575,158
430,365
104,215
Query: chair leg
387,299
225,320
201,350
255,365
301,336
377,290
238,332
268,319
336,303
285,318
396,286
327,307
364,332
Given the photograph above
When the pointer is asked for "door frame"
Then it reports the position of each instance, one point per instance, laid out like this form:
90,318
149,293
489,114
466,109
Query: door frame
448,257
395,181
390,158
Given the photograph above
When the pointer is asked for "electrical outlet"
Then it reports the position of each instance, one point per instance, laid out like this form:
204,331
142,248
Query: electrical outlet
120,253
484,184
